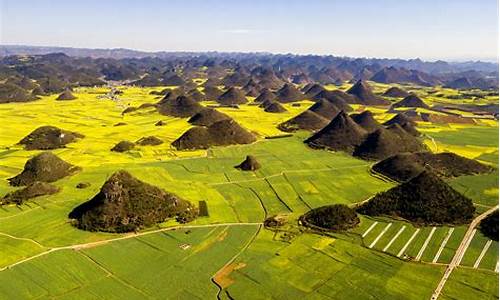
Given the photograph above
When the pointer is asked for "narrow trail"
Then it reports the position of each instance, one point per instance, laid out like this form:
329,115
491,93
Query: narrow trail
457,258
23,239
125,237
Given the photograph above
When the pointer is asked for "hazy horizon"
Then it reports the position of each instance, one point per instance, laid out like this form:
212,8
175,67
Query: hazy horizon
492,60
430,30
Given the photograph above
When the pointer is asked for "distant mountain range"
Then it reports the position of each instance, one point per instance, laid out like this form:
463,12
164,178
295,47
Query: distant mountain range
31,71
434,67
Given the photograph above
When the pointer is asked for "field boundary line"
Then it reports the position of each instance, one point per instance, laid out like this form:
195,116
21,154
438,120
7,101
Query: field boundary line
424,246
261,202
483,252
408,242
394,238
277,195
230,261
443,244
296,192
369,229
28,259
380,235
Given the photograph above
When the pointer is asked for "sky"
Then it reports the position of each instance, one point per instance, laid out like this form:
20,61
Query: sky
426,29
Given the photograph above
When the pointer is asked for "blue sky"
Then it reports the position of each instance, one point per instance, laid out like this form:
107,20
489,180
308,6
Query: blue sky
429,29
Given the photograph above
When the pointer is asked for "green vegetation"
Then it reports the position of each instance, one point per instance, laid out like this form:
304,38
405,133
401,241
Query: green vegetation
424,199
152,265
44,167
403,167
33,190
317,267
126,204
396,241
478,136
483,189
337,217
489,226
49,137
226,251
464,284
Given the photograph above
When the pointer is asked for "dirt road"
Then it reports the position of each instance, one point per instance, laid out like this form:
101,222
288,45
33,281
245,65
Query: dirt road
459,254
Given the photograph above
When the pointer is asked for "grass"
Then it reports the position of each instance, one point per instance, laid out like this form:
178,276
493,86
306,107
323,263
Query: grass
461,135
490,259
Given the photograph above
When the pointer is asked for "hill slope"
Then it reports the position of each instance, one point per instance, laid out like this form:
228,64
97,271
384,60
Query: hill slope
425,200
126,204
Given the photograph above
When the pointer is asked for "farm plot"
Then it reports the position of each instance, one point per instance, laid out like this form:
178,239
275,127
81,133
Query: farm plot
474,256
427,244
464,284
155,265
317,267
482,189
180,264
467,140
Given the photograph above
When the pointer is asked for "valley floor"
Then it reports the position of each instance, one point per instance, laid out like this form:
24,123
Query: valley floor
229,254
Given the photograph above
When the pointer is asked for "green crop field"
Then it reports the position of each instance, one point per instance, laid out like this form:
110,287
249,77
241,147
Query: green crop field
482,188
147,266
316,267
229,253
465,284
